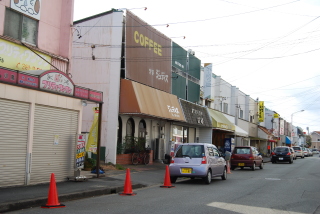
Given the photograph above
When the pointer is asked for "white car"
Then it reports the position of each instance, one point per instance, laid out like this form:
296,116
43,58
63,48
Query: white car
299,151
305,151
315,151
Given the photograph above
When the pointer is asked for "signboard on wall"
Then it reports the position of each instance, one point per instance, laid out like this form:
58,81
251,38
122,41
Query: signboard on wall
20,58
29,7
179,57
147,54
207,81
56,81
261,111
281,129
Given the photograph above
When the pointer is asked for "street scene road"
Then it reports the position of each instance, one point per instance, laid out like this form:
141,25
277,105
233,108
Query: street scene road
278,188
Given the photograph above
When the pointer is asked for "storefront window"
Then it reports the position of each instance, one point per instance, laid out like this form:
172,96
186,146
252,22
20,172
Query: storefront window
179,134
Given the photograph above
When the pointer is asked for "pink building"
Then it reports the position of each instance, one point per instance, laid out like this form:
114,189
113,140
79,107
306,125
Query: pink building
40,107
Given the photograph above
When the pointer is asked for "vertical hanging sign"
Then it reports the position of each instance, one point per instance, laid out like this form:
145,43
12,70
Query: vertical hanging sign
80,154
261,111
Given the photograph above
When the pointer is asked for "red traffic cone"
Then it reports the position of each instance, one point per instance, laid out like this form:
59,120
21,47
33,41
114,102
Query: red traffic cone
53,201
167,181
228,167
127,185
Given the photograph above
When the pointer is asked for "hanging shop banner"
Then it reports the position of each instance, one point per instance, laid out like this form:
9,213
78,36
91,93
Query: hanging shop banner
276,115
147,54
29,7
261,111
93,134
20,58
80,154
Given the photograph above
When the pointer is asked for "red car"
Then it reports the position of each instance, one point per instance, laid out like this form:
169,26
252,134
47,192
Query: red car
246,156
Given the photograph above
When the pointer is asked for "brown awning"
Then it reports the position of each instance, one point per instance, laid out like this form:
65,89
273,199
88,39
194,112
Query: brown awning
136,98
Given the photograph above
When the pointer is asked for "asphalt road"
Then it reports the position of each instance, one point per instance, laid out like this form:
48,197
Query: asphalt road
278,188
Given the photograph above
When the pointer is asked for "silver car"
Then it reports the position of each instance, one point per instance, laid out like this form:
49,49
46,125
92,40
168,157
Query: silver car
197,160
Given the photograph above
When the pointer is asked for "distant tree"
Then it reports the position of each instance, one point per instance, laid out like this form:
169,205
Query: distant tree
308,140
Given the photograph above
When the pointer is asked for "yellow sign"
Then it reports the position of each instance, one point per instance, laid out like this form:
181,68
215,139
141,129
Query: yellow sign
20,58
261,111
275,115
93,135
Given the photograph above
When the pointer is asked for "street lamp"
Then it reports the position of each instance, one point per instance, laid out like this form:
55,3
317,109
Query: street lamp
291,138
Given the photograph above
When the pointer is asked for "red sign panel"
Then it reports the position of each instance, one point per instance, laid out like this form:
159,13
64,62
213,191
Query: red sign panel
95,95
27,80
81,92
8,76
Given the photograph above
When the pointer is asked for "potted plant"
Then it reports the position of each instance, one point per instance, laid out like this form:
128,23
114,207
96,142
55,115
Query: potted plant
89,163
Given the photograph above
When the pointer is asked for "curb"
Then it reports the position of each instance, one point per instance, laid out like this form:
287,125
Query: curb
37,202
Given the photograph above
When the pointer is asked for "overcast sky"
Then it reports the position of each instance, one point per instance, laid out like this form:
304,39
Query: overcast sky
269,49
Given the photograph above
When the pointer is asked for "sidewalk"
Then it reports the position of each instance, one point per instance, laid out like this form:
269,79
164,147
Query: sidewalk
112,182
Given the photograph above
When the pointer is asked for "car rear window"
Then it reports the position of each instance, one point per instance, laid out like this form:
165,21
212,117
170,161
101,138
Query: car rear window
296,148
242,151
279,149
193,151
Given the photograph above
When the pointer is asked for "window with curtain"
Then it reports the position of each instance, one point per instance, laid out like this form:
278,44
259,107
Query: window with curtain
20,27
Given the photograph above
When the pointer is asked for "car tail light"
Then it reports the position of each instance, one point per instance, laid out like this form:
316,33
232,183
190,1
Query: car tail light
232,157
172,160
289,153
251,158
204,160
272,153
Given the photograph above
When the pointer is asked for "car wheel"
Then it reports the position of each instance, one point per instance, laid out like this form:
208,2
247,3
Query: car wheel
233,167
173,179
207,179
261,165
253,167
224,175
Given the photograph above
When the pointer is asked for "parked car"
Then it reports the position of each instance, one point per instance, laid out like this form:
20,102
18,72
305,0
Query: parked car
305,151
293,153
282,154
315,151
197,160
246,156
310,152
299,152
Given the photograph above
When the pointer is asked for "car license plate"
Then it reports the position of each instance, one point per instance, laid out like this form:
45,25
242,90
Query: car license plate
240,164
186,170
280,158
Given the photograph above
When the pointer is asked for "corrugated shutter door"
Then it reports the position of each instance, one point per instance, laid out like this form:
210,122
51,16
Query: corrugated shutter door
50,157
14,121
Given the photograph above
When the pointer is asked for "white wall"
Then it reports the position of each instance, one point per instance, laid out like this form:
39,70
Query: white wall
102,74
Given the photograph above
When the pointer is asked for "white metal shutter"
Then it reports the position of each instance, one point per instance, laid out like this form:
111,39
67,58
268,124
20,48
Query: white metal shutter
48,157
14,121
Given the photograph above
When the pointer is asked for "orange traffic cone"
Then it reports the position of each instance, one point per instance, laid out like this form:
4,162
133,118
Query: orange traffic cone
127,185
53,201
228,167
167,181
